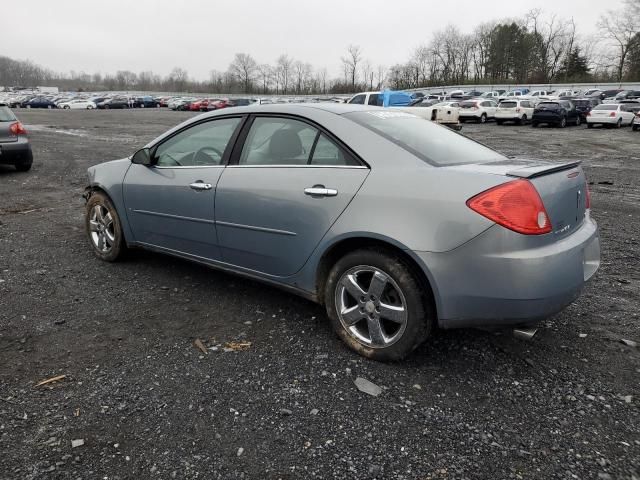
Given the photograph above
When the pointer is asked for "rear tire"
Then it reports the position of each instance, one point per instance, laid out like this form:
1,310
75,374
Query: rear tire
483,118
619,123
103,228
578,121
635,128
358,316
563,122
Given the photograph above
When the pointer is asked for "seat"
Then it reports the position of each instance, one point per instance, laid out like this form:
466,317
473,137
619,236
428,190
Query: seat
285,148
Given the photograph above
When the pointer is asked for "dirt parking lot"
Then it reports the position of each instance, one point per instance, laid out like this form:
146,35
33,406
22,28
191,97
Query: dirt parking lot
147,404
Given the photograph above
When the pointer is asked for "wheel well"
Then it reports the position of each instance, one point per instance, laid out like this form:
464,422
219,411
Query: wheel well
348,245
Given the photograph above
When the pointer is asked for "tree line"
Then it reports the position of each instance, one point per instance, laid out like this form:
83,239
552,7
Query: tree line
537,48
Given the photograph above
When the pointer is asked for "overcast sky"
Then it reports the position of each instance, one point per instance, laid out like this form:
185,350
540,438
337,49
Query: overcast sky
201,35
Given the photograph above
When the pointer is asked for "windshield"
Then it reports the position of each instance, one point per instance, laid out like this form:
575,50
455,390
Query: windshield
6,115
426,140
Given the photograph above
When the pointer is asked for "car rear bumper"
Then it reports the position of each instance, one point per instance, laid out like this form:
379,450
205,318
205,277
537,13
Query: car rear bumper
473,114
602,120
16,153
546,118
508,116
502,278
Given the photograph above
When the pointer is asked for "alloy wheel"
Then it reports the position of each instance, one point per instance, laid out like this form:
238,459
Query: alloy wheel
102,229
371,307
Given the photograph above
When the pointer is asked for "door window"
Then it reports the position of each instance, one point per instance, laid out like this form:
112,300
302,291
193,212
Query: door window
373,99
285,141
358,99
201,145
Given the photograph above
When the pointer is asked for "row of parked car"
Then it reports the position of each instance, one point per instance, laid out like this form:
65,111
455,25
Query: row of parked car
560,110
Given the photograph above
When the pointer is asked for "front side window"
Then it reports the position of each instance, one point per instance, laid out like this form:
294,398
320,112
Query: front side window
286,141
358,100
201,145
373,99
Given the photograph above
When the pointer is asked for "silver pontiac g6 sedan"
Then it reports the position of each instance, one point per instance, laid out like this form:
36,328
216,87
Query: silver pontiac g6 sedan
397,225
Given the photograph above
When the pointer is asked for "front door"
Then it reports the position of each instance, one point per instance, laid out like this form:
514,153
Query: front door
286,186
171,203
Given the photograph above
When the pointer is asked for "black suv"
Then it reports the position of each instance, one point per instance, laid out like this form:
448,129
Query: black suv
584,105
558,113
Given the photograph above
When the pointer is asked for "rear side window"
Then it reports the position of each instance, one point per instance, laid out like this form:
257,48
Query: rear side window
373,99
6,115
426,140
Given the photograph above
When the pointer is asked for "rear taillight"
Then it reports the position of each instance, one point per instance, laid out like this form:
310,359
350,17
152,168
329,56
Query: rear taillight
17,129
612,114
515,205
518,110
587,201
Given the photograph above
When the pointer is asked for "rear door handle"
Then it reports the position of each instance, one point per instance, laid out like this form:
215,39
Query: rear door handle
320,191
200,186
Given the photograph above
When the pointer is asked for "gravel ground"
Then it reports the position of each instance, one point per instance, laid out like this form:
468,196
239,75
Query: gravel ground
146,403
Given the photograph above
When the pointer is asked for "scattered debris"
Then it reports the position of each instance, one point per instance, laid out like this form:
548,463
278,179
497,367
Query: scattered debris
582,335
77,443
417,387
629,343
315,411
367,387
50,380
627,398
200,346
240,451
286,411
237,346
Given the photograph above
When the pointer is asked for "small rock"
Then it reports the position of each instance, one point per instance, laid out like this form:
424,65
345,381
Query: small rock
240,451
417,387
59,321
77,443
628,398
367,387
583,335
604,476
629,343
286,411
315,411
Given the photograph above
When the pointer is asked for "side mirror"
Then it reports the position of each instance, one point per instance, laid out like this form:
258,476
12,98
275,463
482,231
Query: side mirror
142,157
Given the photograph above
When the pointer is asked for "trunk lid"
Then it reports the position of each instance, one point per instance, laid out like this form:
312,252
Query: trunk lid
561,186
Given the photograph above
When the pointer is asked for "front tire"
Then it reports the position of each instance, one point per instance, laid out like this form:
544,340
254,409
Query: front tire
563,122
376,305
619,123
483,118
103,228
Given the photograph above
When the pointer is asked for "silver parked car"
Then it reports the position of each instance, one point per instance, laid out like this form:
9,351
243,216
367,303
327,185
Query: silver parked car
396,224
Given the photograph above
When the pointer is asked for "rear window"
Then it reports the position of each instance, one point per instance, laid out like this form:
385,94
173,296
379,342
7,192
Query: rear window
469,104
6,115
606,107
508,105
582,103
426,140
549,105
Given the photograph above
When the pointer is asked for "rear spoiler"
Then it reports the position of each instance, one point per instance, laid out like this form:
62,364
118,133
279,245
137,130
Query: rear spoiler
539,170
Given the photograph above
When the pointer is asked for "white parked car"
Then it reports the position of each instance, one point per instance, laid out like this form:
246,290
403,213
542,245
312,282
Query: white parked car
511,95
519,111
366,98
478,109
610,114
445,113
77,104
565,94
495,95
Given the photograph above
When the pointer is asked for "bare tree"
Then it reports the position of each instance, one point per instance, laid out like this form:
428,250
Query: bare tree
283,71
381,73
622,28
351,62
266,72
244,68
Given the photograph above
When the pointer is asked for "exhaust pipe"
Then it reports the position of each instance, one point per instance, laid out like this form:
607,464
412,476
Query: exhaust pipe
524,333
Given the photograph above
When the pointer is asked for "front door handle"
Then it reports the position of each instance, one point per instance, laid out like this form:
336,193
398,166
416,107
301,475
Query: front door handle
200,186
320,191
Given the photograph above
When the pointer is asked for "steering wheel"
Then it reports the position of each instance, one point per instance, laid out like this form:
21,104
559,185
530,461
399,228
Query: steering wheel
210,153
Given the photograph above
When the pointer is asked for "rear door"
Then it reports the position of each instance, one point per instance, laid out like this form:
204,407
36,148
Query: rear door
171,203
288,182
